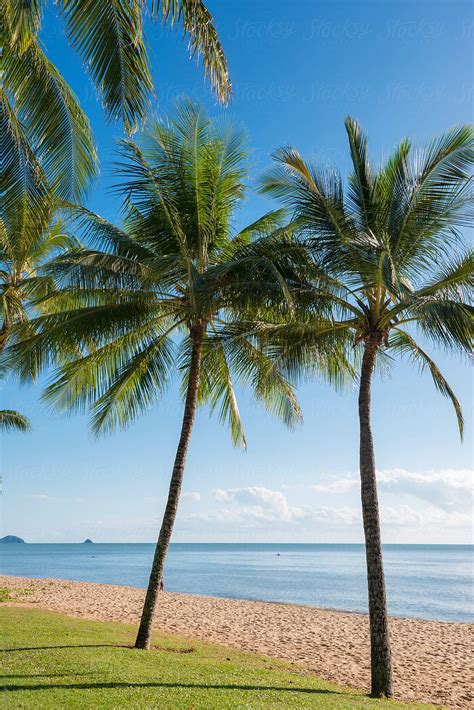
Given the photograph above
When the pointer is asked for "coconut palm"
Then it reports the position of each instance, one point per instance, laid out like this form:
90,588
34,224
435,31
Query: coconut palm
165,294
388,261
38,108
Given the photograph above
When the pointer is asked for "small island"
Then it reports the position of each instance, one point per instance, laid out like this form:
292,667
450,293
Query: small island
11,538
88,541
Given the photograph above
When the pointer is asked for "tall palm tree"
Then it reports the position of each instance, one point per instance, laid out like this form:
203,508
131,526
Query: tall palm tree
387,260
39,109
165,293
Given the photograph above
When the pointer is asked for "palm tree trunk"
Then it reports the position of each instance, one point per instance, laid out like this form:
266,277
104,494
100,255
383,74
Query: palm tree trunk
144,632
381,667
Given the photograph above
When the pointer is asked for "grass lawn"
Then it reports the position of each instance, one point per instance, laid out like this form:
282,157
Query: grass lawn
52,661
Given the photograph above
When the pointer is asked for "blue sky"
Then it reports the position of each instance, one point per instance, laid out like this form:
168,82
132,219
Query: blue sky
298,68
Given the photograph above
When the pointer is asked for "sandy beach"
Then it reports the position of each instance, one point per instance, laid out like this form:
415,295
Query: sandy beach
433,660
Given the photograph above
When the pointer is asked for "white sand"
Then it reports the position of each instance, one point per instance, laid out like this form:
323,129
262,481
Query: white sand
433,660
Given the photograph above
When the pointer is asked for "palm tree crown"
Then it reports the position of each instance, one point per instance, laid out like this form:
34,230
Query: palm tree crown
162,279
387,252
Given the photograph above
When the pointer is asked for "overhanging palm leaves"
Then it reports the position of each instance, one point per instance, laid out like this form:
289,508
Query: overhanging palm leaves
40,110
110,39
13,421
29,237
39,113
388,260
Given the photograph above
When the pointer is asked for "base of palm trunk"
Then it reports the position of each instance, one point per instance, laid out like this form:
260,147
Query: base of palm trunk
144,647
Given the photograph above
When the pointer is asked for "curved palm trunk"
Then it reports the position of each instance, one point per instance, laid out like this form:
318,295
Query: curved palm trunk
156,577
381,666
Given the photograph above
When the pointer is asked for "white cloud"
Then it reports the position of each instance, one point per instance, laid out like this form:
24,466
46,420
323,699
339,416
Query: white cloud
341,485
448,489
256,504
415,506
256,501
408,501
191,495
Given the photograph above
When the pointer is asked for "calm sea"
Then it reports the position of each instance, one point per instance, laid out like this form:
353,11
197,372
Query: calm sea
425,581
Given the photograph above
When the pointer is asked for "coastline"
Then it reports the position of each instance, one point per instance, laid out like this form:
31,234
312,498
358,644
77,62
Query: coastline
431,658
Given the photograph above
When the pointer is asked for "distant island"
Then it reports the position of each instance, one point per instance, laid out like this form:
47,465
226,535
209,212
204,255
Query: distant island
88,541
11,538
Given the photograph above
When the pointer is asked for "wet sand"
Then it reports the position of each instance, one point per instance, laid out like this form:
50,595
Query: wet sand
433,660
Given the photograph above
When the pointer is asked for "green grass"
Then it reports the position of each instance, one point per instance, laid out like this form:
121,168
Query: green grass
52,661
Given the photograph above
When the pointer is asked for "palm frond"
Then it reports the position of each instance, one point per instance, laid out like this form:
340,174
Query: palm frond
406,345
109,38
13,421
361,192
198,25
57,130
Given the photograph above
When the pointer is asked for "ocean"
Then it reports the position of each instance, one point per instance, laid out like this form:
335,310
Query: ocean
423,581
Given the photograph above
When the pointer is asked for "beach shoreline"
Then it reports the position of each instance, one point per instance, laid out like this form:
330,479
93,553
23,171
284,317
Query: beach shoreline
279,602
432,659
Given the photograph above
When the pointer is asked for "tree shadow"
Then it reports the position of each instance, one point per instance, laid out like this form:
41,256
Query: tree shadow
52,648
10,676
197,686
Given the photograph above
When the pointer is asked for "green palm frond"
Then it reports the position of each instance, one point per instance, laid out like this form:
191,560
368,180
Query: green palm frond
455,279
23,180
23,18
198,25
445,321
217,389
361,191
404,344
39,109
109,38
13,421
57,130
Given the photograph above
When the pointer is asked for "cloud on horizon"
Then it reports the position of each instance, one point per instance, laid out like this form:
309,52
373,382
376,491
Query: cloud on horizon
415,506
419,506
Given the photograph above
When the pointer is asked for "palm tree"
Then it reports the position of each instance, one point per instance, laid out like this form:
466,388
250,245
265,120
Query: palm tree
387,259
165,293
38,108
11,420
